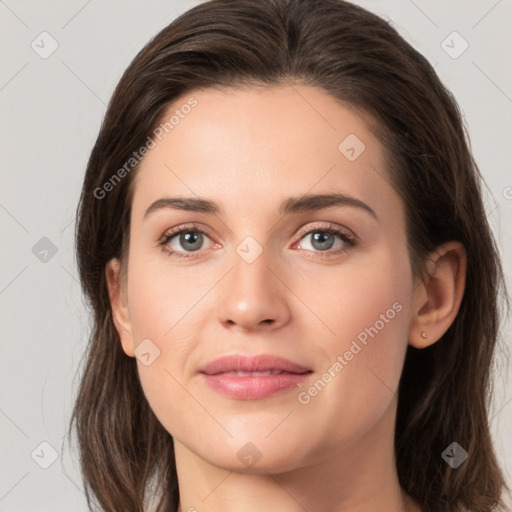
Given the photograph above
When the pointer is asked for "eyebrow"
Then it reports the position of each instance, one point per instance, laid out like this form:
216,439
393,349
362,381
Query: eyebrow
291,205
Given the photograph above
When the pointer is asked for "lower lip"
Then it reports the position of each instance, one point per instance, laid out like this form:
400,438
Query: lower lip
252,388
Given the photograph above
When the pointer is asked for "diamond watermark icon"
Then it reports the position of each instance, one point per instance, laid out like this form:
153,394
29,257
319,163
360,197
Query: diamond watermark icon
44,250
454,45
146,352
248,249
454,455
249,455
44,45
44,455
351,147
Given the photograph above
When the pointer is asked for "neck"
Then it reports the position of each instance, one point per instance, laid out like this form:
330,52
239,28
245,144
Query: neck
359,476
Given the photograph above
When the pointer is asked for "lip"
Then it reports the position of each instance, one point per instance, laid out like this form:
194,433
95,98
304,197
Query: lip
221,375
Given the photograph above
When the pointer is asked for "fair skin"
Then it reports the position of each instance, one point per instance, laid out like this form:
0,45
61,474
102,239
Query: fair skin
248,150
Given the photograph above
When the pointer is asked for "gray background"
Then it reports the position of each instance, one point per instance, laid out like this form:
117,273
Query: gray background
51,110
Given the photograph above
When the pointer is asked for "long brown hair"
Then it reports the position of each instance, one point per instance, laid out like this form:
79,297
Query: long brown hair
358,58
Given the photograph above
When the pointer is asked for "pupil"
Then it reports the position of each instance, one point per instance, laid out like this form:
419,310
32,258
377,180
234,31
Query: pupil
322,238
189,237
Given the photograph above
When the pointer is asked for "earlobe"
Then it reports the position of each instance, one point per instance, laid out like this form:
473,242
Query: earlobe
119,306
437,299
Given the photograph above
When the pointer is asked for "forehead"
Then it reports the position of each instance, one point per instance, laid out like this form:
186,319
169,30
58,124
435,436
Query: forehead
249,148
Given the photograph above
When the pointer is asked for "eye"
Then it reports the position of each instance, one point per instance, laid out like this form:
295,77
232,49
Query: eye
329,239
184,239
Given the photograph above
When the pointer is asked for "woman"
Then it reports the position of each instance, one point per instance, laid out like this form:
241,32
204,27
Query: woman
325,342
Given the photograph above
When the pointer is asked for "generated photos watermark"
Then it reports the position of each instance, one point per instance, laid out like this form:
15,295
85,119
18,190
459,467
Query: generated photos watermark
361,341
137,156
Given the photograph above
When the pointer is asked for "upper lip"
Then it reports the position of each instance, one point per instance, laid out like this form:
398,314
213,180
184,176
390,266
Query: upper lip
247,363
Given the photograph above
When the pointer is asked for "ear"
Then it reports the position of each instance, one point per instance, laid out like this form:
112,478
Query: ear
436,300
119,305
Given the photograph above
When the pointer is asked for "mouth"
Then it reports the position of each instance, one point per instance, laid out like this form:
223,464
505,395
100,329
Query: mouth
241,373
245,377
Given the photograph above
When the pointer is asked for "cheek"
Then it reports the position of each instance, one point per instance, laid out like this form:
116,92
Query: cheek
366,302
365,349
164,308
161,299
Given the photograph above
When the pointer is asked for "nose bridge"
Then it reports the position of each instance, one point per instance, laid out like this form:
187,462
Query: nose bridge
252,294
251,261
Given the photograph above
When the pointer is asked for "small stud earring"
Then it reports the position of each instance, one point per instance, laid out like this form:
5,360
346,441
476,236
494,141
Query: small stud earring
423,334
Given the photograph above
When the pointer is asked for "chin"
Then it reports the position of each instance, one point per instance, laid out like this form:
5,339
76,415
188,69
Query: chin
253,457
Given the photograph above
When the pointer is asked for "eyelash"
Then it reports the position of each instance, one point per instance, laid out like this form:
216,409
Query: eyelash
349,239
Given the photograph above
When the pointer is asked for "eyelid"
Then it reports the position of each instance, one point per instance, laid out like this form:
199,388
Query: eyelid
192,226
328,226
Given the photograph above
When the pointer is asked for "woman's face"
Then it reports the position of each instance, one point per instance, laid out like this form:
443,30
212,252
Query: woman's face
265,279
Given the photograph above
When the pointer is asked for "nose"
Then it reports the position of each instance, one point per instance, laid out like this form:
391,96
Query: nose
254,296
